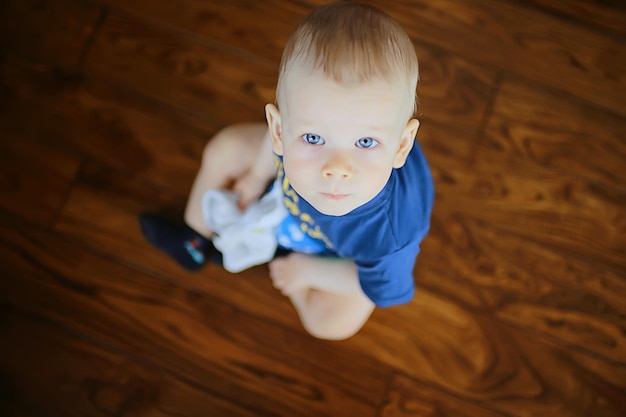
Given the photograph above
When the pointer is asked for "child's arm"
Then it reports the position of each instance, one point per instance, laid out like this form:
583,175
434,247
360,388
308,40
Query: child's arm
253,183
299,271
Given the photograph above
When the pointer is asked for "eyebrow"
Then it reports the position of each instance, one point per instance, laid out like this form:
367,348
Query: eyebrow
307,124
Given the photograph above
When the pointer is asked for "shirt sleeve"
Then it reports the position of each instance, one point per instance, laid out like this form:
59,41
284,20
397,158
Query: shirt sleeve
389,281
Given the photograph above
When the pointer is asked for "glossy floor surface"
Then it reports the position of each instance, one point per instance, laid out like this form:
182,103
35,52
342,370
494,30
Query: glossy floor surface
105,107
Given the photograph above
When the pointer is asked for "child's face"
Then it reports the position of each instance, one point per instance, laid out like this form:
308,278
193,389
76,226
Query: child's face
340,143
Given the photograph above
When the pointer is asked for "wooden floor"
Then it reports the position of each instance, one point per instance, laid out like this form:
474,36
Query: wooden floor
521,303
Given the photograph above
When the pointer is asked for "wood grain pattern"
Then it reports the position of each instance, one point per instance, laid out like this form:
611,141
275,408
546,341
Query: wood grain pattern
99,193
451,89
54,31
34,175
562,293
406,397
431,339
558,132
581,219
522,41
235,22
35,193
520,309
102,211
193,74
95,380
480,359
206,341
606,14
105,123
522,283
436,319
452,92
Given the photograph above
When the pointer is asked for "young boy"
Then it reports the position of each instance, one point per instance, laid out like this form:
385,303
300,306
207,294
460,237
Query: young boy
354,182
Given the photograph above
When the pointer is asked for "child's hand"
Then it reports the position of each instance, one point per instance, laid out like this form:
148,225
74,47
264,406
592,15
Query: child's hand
290,274
249,188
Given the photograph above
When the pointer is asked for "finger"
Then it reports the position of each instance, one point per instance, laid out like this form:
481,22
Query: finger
290,288
246,197
238,186
242,204
243,200
286,290
279,284
241,189
275,274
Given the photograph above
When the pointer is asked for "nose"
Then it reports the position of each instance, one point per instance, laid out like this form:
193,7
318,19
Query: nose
337,166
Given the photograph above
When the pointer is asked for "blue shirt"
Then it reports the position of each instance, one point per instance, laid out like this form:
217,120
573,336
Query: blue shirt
382,236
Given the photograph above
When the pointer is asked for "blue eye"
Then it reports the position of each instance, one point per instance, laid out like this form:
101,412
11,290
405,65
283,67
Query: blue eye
313,139
366,143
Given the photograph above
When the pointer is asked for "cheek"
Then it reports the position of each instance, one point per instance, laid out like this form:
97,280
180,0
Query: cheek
374,176
299,171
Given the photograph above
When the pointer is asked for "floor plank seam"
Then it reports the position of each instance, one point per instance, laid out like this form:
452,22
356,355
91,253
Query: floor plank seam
195,37
484,121
66,194
92,37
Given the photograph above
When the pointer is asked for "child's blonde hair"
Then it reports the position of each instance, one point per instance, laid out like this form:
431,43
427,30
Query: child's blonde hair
351,43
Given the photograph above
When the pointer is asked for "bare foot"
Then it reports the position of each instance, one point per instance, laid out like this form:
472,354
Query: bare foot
291,273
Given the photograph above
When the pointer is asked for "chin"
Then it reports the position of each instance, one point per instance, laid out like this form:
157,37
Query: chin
332,210
334,213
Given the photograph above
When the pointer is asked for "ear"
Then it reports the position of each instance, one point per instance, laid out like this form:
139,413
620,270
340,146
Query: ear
406,143
274,124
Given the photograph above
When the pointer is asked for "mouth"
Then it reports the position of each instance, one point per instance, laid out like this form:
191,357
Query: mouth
333,196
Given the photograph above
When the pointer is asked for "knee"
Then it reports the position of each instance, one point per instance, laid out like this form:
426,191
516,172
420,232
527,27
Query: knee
327,330
332,317
331,335
238,142
221,139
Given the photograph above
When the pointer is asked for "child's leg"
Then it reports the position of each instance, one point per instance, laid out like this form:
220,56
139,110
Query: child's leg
331,316
225,158
325,292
